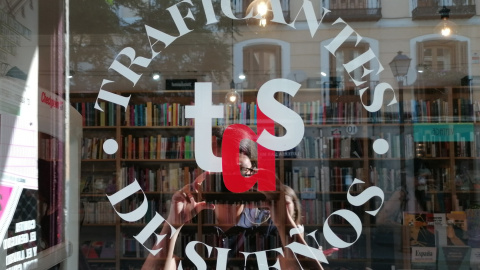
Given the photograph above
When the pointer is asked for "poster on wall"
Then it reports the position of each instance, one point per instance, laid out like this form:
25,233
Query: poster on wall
18,135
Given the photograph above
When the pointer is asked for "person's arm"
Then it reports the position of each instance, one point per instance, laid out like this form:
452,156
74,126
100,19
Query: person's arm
284,222
164,259
183,208
289,260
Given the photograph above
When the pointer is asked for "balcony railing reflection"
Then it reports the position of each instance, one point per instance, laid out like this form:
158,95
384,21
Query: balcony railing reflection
428,9
360,10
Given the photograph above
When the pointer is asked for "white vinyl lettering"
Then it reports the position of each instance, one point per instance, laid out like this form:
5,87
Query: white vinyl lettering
378,97
290,120
351,218
203,112
365,196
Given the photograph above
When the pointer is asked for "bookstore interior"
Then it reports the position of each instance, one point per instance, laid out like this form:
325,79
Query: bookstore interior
239,134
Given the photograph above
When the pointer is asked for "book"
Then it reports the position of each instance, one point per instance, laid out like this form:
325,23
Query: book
454,258
440,225
307,187
424,258
475,258
422,231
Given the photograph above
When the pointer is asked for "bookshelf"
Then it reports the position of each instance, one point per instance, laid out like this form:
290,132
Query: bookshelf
437,125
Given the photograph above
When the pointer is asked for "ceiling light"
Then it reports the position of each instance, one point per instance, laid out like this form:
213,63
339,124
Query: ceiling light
261,11
232,97
156,75
262,8
445,27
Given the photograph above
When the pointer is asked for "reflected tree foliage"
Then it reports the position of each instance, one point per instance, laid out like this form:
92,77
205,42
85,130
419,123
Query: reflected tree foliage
101,29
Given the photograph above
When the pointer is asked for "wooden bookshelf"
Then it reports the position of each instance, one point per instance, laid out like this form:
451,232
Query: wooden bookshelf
156,147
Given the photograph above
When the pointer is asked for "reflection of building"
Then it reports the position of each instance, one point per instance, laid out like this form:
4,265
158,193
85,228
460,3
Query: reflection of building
273,51
399,27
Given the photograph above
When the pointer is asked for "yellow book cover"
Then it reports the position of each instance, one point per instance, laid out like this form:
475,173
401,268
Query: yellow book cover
148,114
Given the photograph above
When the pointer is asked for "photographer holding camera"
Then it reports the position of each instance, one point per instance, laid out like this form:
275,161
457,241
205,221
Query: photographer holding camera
238,224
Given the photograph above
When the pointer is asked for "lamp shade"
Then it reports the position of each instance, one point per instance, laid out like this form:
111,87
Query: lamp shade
400,65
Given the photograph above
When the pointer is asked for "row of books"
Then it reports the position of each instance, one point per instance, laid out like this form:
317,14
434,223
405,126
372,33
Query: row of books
98,212
50,149
413,111
426,111
173,114
396,142
167,178
329,147
314,212
316,112
150,114
312,112
464,110
158,147
432,149
464,145
94,117
92,148
467,145
311,147
351,147
387,179
309,181
242,113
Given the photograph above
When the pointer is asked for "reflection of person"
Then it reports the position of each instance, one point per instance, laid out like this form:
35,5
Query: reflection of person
417,183
292,203
387,234
236,224
392,210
